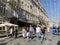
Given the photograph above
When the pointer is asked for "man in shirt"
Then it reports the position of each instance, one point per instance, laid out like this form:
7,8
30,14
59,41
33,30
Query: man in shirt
38,31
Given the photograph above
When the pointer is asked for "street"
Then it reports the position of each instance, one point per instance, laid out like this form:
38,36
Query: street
51,40
29,17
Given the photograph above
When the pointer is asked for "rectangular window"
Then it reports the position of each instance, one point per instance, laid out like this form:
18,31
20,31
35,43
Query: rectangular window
3,28
30,6
3,10
0,28
22,2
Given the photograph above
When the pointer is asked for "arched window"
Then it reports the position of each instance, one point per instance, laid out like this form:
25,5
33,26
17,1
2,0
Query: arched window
31,6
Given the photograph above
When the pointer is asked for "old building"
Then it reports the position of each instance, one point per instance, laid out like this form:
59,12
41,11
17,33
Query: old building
27,11
33,11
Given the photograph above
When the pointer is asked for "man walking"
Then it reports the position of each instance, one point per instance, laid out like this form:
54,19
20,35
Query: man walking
38,32
31,30
43,29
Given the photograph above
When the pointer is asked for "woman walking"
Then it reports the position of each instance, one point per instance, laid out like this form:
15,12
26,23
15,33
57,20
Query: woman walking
31,30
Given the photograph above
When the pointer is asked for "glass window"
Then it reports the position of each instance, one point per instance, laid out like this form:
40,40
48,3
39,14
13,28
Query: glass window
4,10
0,28
25,4
30,6
22,2
1,8
3,28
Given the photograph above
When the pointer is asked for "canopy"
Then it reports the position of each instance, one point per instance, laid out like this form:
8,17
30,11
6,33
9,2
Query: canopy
1,25
7,24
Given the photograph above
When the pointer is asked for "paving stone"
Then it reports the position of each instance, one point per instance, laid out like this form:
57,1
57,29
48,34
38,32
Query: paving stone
51,40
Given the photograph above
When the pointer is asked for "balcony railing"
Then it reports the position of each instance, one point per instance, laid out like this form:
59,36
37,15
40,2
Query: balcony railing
9,12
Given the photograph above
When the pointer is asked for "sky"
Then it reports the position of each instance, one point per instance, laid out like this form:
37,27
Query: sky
52,7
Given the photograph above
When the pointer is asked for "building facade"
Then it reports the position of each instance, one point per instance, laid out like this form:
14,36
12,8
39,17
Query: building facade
33,11
29,11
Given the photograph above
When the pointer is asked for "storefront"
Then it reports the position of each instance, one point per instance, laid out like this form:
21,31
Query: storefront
5,28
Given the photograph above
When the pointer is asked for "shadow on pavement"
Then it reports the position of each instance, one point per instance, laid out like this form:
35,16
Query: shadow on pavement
2,43
18,44
58,43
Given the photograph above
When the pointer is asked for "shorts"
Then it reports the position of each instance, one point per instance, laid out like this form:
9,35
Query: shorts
24,35
27,34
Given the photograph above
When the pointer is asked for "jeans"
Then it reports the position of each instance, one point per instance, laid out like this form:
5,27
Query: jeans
42,37
31,34
38,35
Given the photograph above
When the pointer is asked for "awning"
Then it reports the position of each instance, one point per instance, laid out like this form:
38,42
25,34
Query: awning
1,25
7,24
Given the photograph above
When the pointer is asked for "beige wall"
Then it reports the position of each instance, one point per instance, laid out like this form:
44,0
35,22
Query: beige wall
35,8
32,10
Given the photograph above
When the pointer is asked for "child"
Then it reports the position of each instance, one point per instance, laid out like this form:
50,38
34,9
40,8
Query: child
23,32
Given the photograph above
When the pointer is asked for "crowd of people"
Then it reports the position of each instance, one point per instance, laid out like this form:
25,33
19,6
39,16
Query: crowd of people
39,31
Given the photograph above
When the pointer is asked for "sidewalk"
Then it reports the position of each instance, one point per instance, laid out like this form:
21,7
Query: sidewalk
51,40
1,39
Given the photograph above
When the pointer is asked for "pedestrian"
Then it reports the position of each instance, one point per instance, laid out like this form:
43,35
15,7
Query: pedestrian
38,32
16,33
11,32
43,29
48,29
34,29
27,32
23,32
31,30
58,29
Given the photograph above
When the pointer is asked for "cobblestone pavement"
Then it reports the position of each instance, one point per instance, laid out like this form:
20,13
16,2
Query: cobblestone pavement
51,40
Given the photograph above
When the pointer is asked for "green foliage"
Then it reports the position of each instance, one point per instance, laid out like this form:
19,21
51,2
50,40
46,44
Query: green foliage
19,29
